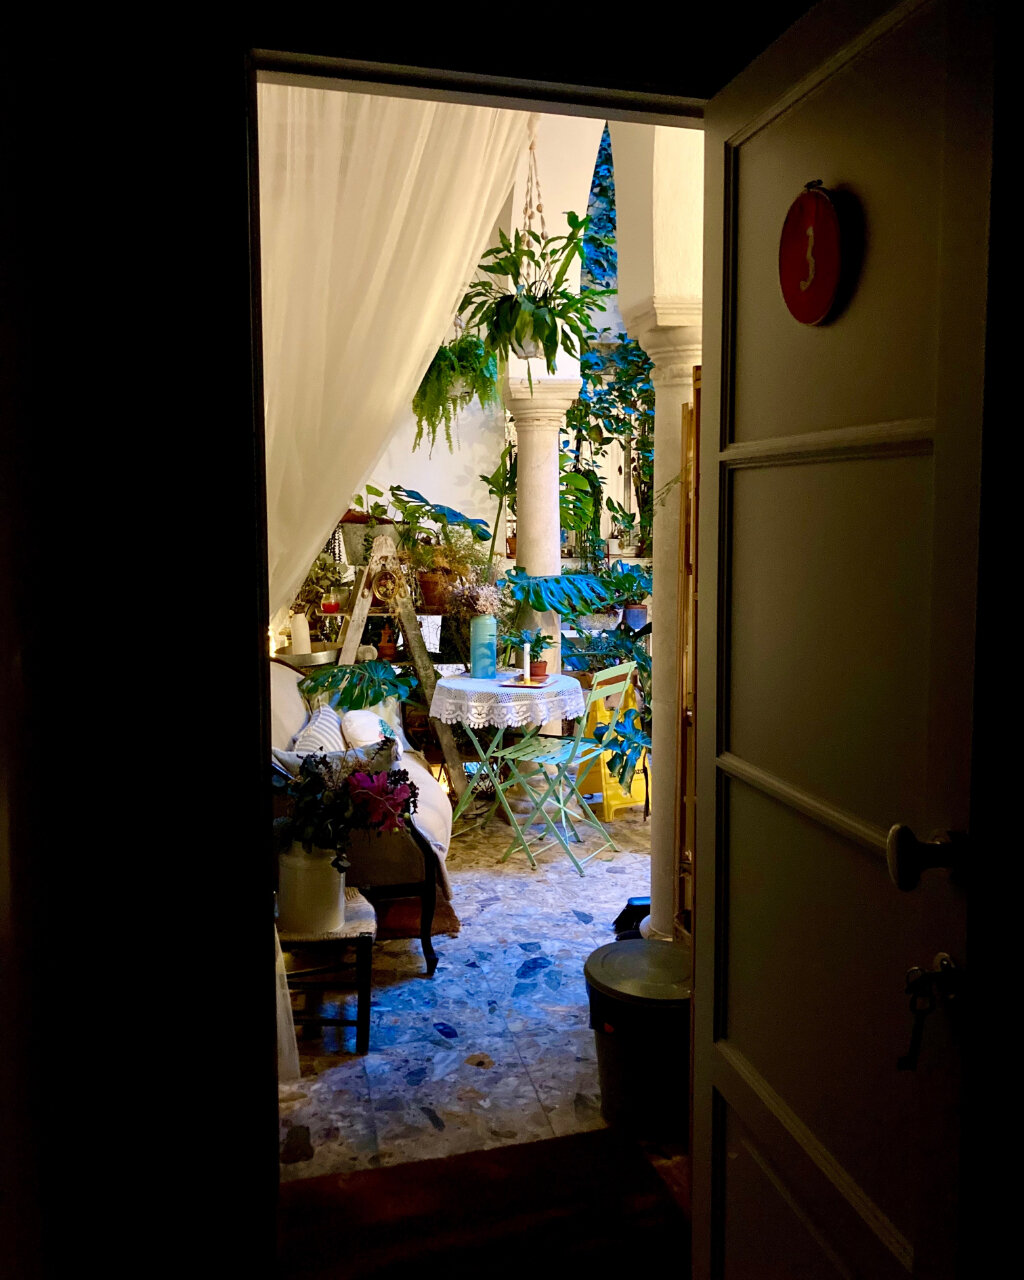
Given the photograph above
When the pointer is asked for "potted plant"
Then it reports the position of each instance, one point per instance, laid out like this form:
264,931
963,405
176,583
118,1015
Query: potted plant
436,542
630,585
328,801
362,684
325,576
527,310
363,521
459,372
518,638
623,522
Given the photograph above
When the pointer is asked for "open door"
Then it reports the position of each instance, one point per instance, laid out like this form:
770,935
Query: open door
838,539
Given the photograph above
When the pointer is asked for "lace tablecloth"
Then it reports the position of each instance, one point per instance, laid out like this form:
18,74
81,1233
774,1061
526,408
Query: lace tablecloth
463,700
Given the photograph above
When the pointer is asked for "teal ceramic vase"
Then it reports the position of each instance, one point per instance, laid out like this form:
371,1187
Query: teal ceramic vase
483,646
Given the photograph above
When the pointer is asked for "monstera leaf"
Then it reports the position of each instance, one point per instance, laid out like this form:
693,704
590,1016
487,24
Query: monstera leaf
570,595
627,742
363,684
415,504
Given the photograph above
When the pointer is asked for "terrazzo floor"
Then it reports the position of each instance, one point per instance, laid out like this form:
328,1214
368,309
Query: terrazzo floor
495,1048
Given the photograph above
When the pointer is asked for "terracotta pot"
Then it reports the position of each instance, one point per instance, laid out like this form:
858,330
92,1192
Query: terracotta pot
510,546
538,670
386,647
434,586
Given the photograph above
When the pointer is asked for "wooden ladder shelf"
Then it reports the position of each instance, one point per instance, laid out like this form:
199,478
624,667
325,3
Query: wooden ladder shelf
382,575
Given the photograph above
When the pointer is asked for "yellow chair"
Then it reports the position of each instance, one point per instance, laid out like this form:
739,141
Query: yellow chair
594,778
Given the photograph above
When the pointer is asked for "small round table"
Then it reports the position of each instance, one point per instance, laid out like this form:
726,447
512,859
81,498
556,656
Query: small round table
503,703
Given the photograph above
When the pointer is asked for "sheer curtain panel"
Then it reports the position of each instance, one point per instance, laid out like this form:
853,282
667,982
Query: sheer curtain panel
374,212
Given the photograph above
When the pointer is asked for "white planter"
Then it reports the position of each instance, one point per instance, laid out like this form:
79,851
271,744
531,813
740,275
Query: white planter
310,892
353,535
613,546
599,621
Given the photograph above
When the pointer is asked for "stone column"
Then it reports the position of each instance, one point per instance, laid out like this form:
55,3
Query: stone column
539,419
670,333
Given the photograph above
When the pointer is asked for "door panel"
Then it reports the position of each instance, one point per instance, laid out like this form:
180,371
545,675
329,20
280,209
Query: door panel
830,592
814,934
882,352
838,528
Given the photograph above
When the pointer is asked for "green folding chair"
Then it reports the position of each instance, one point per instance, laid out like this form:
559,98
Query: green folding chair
560,759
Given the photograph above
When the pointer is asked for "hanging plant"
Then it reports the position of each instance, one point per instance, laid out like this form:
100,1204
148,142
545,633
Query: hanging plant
527,310
460,372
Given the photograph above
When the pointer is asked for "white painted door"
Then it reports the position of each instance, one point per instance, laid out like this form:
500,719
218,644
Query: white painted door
839,507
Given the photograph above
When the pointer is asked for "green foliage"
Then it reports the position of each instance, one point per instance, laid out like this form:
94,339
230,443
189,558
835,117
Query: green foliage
368,505
459,372
600,259
528,301
324,575
418,514
628,583
627,741
363,684
516,637
576,501
501,485
616,405
604,649
570,595
622,520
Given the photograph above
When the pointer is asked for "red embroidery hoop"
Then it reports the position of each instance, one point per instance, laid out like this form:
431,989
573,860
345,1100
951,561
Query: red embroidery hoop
810,255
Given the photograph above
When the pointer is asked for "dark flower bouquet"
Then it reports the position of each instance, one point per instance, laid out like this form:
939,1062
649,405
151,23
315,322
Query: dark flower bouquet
329,802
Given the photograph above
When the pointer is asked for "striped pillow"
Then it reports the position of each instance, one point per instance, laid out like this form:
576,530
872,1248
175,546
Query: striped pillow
322,733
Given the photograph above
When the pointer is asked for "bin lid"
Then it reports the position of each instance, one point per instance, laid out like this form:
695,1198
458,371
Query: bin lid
637,970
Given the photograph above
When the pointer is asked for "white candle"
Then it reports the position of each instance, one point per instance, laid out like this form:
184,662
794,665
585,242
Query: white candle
300,633
526,662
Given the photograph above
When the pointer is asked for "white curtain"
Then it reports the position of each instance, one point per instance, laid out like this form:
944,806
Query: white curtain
374,212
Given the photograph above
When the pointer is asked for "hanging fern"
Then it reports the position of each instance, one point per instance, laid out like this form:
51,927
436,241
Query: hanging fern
460,372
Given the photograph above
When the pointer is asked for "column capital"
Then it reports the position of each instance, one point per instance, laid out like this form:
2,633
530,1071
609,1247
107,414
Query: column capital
669,330
665,312
548,404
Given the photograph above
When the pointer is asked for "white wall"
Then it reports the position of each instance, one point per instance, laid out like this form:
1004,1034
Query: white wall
449,478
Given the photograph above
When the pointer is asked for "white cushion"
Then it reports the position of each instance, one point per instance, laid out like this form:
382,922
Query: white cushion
391,711
372,759
322,733
361,728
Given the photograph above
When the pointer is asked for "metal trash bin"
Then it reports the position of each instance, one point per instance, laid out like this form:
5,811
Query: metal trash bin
639,993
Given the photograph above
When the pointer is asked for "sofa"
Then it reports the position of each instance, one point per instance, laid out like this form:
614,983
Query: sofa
399,865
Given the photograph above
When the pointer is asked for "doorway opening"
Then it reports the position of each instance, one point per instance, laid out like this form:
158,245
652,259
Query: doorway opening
495,1048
